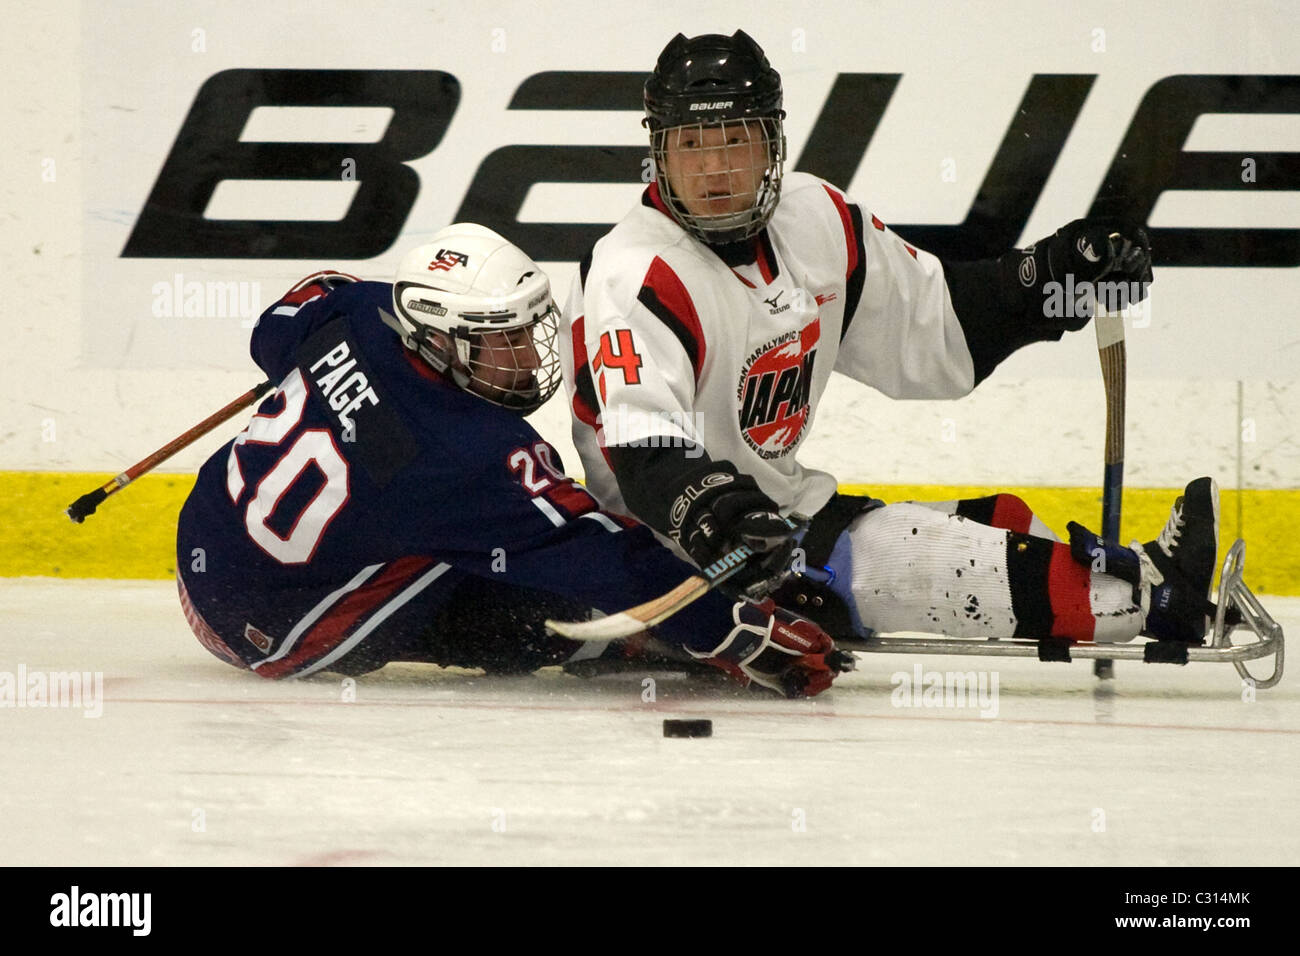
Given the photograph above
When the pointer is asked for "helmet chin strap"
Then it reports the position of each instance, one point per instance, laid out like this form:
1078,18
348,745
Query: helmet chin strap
458,373
426,351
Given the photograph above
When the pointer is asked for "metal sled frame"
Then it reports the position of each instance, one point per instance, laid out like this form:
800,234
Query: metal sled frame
1232,593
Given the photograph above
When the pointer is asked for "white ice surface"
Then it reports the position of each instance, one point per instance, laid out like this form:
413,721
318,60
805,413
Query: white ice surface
195,763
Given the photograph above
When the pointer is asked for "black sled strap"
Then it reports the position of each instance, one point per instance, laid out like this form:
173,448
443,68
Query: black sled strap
1054,649
1165,652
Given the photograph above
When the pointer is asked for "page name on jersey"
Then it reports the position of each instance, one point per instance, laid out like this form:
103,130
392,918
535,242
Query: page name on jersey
346,392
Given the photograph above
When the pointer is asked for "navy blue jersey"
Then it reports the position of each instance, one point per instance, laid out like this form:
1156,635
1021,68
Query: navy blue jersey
369,507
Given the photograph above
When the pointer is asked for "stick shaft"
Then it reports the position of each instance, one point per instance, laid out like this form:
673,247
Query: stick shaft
1113,370
86,504
198,431
1114,361
637,619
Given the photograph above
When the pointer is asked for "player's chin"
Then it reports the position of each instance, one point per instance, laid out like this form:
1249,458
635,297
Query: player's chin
522,400
521,393
717,206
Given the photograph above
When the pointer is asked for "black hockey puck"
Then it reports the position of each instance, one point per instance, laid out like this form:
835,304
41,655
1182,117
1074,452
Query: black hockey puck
688,728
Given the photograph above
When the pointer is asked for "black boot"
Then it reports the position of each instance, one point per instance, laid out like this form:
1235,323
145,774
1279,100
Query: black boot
1179,566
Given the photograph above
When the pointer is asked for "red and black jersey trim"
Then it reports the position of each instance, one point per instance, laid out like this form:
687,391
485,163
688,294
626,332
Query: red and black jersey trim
652,199
585,404
765,255
858,275
586,407
855,272
301,294
316,284
666,298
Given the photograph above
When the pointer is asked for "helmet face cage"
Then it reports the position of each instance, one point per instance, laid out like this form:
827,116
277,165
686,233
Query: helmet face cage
517,368
720,180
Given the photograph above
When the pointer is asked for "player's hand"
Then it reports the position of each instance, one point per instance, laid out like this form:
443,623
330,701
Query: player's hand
778,650
1087,259
1096,249
722,511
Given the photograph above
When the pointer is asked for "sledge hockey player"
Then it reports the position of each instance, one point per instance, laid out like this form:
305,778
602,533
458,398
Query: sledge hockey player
389,503
701,332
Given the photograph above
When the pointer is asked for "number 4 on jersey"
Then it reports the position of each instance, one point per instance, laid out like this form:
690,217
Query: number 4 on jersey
625,359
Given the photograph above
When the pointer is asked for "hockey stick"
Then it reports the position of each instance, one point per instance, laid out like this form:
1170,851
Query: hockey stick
87,503
637,619
1113,355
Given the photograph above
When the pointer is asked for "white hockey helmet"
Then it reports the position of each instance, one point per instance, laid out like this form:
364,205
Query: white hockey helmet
478,310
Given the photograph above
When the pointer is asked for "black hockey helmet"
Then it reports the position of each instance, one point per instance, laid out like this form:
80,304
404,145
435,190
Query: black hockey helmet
708,81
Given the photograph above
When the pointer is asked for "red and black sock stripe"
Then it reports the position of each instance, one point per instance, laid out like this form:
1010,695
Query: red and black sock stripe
998,511
1051,593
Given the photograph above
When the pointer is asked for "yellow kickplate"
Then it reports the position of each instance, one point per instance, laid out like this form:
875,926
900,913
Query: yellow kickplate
133,534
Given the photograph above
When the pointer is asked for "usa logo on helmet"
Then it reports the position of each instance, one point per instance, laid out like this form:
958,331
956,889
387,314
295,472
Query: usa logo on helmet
447,259
773,391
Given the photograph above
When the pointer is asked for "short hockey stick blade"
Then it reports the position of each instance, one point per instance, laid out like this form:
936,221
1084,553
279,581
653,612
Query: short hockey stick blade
637,619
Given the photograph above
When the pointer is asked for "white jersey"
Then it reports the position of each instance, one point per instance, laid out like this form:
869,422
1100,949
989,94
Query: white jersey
664,343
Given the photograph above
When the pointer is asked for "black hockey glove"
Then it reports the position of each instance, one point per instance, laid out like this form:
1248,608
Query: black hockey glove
722,510
1058,280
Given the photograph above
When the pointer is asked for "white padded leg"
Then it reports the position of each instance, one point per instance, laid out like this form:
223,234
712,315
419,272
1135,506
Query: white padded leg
915,567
